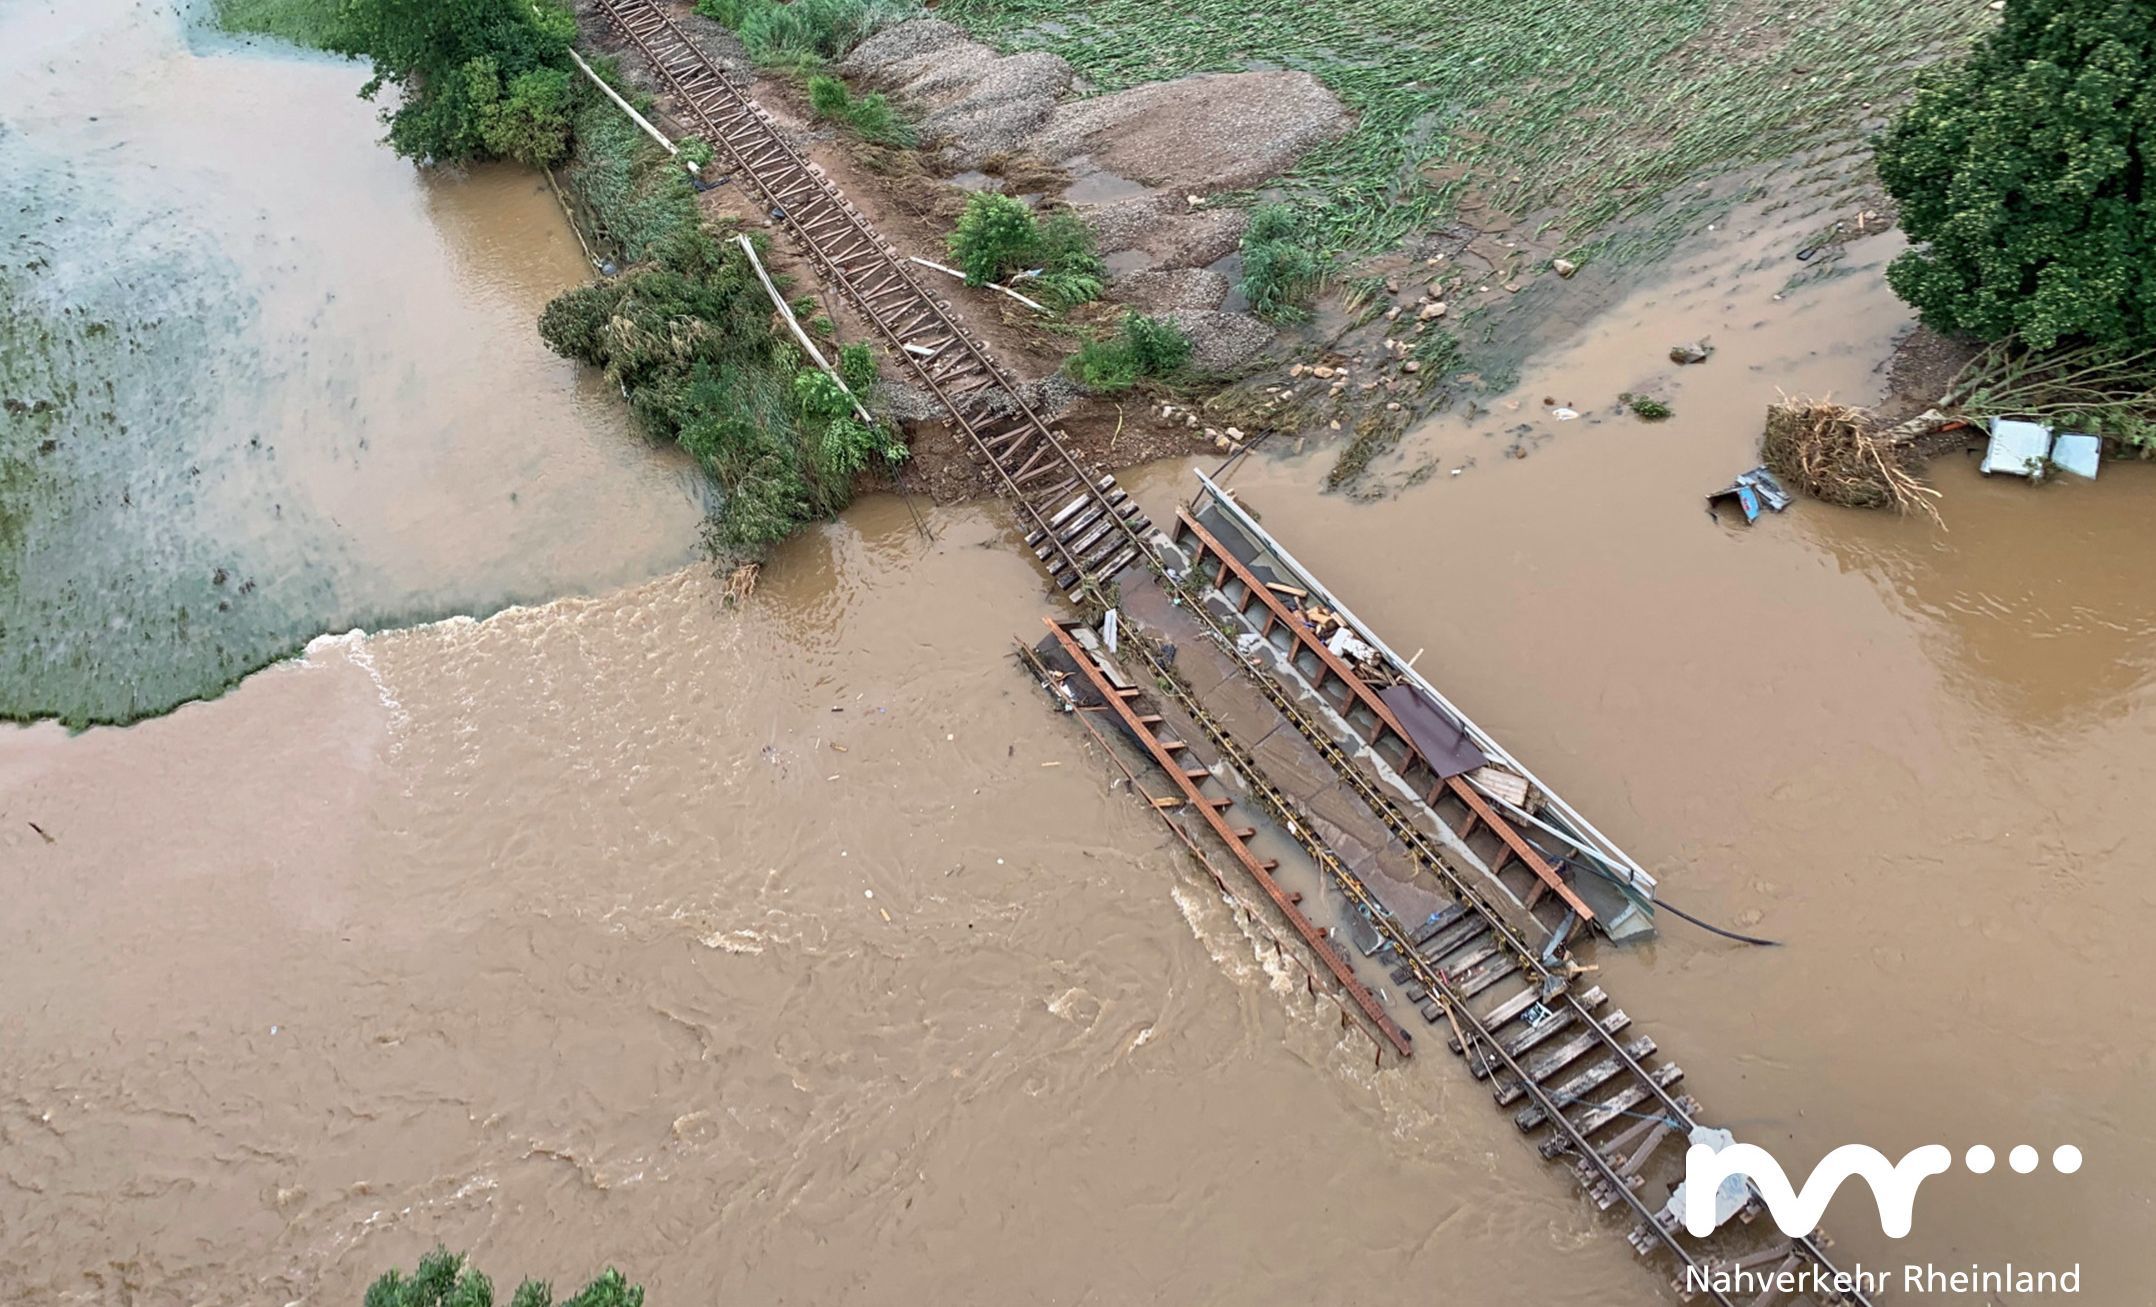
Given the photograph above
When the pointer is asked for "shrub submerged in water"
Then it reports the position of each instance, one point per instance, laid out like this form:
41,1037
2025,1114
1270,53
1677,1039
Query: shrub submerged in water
475,79
1280,270
444,1280
2022,173
687,336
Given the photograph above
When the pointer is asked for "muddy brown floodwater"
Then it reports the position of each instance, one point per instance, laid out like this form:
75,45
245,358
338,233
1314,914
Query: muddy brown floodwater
798,954
1912,754
266,380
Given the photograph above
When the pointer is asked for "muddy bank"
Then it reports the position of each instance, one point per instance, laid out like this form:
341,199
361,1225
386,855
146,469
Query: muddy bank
268,380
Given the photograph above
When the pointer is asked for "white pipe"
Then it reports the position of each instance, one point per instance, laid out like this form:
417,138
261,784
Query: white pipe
626,107
786,311
1031,304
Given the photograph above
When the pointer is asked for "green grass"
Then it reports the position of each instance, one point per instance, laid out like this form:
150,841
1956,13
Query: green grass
1141,348
870,116
803,34
626,190
303,22
1566,113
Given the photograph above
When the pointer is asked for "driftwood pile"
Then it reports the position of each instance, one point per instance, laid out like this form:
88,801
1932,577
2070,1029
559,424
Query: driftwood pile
1842,455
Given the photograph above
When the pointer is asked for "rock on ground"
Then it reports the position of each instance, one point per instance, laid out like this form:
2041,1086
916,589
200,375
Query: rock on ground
970,101
1212,132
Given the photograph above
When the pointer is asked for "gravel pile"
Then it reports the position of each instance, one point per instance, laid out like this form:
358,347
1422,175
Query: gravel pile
1215,132
1222,342
1050,396
969,100
1157,290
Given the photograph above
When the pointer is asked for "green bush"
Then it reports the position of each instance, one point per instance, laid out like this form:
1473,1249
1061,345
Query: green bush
688,336
829,97
995,235
998,235
871,116
2024,173
857,363
530,123
1142,347
463,73
1280,271
696,151
443,1280
805,33
1071,270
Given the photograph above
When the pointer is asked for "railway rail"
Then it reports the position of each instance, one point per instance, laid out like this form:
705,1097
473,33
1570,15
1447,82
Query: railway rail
1562,1058
1082,526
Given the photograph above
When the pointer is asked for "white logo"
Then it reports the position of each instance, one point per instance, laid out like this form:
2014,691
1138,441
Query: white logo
1716,1170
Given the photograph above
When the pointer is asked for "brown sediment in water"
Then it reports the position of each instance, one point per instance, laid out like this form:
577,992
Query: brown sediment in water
562,936
319,397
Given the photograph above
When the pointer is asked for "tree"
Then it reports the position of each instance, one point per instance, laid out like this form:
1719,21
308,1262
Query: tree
478,78
443,1280
2023,172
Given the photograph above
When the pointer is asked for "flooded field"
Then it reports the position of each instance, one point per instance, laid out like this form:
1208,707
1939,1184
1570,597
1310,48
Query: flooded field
264,380
796,952
1906,752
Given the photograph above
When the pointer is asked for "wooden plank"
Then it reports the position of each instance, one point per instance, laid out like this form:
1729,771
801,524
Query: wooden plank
1586,1082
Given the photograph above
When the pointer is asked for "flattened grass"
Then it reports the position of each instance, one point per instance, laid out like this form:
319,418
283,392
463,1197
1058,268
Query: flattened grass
302,22
1578,113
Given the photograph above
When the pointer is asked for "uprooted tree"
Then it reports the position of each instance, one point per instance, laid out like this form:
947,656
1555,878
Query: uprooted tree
2023,175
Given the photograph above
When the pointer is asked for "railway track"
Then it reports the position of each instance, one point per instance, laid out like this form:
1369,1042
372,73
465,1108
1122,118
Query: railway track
1081,525
1565,1061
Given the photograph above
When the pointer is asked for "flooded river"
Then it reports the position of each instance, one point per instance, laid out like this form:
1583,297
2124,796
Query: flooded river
795,953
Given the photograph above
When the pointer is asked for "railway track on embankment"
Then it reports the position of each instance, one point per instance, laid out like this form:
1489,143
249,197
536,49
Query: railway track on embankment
1081,525
1597,1095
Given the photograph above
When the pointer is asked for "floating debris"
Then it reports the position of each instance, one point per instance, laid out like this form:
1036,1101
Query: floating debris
1752,491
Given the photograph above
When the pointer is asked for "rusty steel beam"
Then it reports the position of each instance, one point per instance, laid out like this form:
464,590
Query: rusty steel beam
1209,808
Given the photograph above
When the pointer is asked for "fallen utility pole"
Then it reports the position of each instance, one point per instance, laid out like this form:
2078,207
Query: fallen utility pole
786,311
626,107
1035,305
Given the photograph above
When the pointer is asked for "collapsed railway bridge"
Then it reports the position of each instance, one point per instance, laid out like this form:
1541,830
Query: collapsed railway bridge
1429,876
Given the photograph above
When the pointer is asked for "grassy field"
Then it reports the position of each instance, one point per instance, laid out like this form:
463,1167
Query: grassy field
1567,114
303,22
